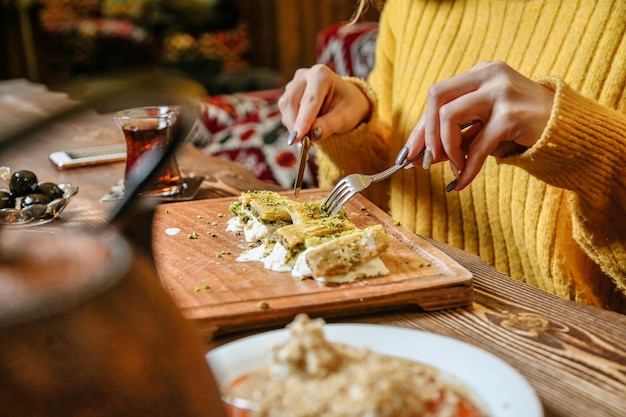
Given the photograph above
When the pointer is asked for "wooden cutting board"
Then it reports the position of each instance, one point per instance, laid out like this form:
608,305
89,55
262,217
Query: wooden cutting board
196,260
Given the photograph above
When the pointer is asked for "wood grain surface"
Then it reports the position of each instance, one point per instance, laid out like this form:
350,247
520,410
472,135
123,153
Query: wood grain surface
199,268
574,356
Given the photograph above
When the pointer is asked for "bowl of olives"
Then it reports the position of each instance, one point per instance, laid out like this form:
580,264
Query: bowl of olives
27,201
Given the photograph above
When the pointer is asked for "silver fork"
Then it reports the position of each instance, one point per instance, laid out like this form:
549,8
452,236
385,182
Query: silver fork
348,186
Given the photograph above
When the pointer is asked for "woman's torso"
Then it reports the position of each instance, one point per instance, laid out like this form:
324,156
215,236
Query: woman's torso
508,217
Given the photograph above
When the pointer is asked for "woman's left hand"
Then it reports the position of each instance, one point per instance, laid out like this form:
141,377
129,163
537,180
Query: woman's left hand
513,111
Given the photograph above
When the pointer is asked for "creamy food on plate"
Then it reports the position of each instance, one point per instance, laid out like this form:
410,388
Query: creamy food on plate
289,236
308,375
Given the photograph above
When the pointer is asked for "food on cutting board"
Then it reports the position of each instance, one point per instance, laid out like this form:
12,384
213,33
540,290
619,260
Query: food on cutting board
307,375
290,236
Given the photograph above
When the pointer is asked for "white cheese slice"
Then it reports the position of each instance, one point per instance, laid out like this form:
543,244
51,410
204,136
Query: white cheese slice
234,224
255,254
277,260
300,267
373,268
253,230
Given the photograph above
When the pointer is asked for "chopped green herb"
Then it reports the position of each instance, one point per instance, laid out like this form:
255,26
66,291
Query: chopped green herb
222,253
202,287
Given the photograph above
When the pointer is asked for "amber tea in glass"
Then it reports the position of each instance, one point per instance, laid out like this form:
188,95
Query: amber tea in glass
147,128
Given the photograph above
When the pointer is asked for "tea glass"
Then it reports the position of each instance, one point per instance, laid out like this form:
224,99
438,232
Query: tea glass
148,128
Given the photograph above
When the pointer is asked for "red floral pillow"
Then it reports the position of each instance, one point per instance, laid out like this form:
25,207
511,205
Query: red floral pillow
348,49
247,128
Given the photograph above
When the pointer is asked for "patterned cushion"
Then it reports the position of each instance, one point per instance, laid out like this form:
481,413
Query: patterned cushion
348,49
247,128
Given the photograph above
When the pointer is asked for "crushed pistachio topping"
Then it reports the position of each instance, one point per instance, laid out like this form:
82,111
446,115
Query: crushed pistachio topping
202,287
222,253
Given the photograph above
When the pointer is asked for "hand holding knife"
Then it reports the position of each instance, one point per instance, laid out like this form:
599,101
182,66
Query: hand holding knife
305,145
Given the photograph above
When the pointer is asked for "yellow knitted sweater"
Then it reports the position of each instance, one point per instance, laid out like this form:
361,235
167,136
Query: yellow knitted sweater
555,216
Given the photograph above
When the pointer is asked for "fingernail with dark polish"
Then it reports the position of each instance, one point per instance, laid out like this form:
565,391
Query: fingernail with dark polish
451,186
402,155
428,159
317,133
291,138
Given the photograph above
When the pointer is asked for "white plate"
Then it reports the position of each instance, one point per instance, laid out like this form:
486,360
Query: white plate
496,386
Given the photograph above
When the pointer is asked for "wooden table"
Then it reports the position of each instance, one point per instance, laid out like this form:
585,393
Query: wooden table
22,102
574,356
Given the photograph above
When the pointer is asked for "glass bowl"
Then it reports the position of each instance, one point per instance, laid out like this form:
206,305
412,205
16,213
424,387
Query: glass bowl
33,214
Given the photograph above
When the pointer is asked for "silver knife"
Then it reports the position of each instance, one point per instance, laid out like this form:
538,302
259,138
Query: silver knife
305,145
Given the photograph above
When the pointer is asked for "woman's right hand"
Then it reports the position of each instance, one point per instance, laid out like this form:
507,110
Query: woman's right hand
318,102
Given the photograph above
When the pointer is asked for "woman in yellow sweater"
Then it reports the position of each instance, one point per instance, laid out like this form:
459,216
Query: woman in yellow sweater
541,187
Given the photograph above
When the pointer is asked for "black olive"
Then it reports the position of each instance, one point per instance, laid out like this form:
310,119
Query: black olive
6,200
23,182
50,189
37,198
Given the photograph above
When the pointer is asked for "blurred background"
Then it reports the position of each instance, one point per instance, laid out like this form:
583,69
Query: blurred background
226,45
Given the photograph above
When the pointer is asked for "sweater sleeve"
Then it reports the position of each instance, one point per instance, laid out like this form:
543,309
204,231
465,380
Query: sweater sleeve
583,149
